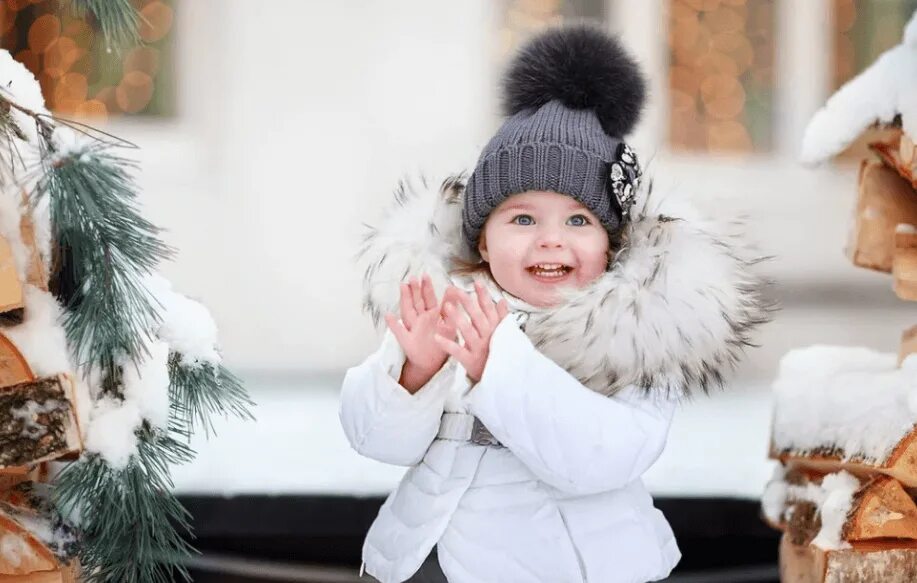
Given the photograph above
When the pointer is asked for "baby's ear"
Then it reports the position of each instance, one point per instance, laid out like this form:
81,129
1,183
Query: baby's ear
482,248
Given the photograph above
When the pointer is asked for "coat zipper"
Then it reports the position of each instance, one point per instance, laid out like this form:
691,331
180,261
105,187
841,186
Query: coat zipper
579,557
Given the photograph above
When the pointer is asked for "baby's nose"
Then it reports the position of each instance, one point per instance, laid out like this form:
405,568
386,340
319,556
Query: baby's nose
550,239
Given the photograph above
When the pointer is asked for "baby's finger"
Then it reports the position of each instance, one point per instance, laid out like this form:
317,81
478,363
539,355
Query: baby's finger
444,328
502,309
408,313
456,320
429,295
452,294
452,349
478,319
415,294
486,303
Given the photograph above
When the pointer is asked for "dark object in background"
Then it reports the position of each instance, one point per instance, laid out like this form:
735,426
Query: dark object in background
722,540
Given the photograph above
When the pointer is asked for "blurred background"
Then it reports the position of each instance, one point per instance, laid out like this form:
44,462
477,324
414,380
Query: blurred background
270,131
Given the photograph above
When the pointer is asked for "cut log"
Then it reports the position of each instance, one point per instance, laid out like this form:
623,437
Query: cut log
904,263
908,344
897,152
29,496
33,538
11,477
10,288
881,509
907,153
885,200
13,366
37,274
25,553
65,575
866,562
37,422
901,464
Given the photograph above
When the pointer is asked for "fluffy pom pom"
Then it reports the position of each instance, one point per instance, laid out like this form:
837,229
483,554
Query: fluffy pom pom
584,68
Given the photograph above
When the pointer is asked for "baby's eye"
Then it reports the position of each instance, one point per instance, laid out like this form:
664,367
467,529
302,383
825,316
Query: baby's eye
584,222
529,217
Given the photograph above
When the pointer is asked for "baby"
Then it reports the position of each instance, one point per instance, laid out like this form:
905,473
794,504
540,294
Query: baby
529,402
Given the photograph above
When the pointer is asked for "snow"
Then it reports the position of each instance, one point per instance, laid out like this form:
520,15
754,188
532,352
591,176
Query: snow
59,539
773,501
855,399
20,86
14,548
40,337
296,446
30,411
147,385
187,325
68,142
833,499
886,88
112,424
187,328
910,31
837,497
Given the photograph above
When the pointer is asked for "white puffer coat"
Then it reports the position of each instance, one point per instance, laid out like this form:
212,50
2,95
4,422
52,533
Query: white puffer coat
579,396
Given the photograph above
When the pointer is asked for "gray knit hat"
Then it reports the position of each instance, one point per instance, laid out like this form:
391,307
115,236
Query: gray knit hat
570,94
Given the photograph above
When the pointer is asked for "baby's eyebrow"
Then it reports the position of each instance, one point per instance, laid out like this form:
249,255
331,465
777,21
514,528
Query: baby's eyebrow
517,205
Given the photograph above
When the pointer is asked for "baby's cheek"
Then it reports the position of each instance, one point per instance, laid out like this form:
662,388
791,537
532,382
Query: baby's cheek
592,269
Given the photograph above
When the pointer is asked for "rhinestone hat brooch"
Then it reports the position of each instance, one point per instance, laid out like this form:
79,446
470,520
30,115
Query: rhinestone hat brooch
624,178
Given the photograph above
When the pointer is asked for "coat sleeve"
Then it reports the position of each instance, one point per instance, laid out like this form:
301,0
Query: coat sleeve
380,418
571,437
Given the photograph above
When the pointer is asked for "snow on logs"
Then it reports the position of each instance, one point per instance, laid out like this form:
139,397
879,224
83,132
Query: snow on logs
36,546
837,527
38,419
844,433
837,508
846,408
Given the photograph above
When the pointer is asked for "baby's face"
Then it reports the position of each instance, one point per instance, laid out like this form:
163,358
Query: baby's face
532,229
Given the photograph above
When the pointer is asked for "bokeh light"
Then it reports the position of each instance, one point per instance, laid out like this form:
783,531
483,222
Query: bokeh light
44,31
134,92
524,18
78,75
721,74
156,21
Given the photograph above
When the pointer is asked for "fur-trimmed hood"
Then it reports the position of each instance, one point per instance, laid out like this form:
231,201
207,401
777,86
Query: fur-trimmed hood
673,313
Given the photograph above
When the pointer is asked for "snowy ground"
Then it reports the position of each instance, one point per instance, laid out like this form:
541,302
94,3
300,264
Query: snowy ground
717,447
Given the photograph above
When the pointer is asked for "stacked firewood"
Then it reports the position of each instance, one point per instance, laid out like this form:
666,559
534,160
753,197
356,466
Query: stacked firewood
884,235
848,514
38,424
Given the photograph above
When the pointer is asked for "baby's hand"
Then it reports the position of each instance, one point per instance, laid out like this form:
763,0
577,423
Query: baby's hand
484,314
420,320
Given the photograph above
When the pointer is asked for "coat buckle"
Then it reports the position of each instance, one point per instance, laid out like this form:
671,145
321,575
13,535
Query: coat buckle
480,435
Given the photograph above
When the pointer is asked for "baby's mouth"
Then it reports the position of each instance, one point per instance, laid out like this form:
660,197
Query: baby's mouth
549,270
